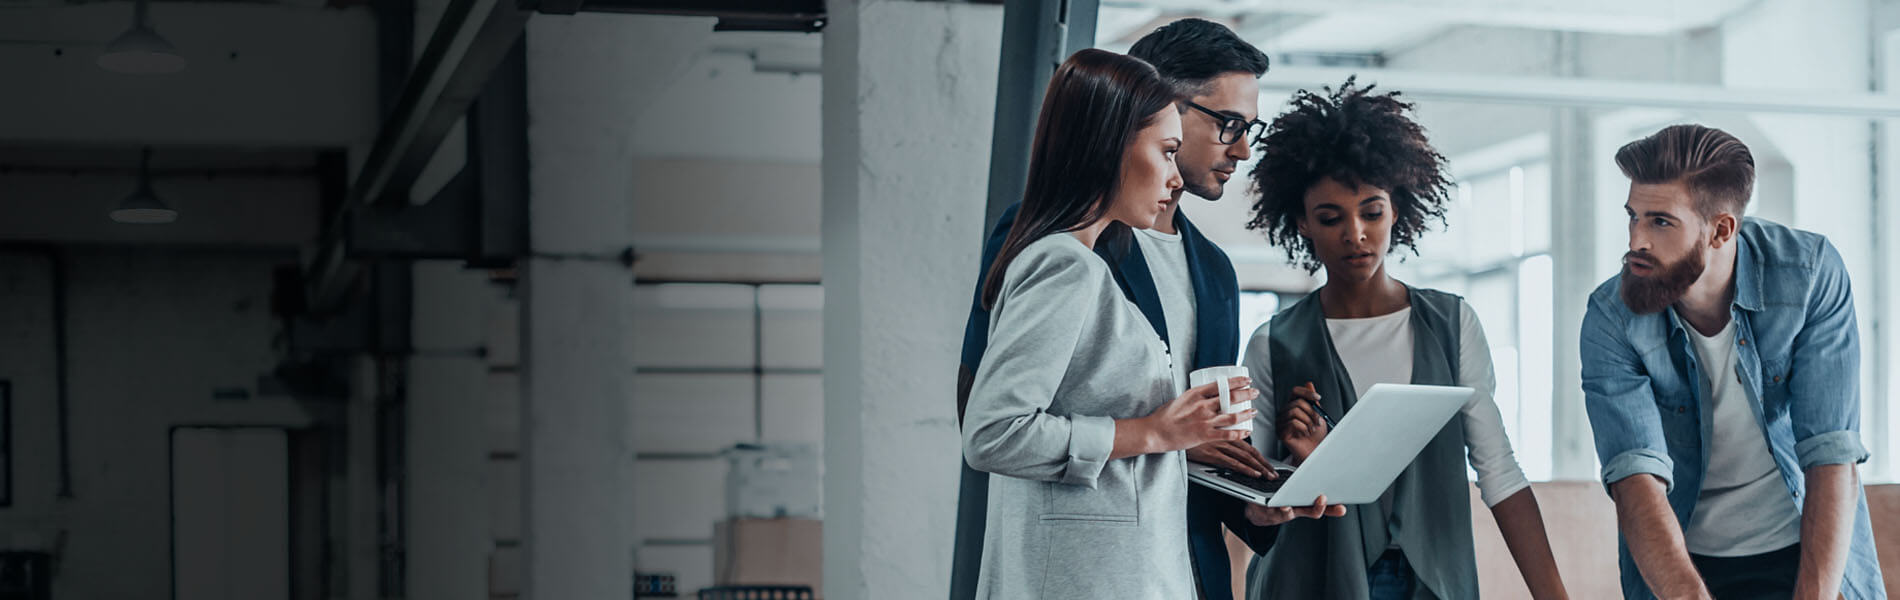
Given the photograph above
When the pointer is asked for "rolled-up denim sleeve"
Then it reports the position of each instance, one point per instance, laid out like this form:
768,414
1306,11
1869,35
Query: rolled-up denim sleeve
1824,370
1621,405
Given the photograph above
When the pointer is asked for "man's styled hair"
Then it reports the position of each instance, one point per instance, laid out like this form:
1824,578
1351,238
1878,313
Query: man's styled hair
1717,169
1190,53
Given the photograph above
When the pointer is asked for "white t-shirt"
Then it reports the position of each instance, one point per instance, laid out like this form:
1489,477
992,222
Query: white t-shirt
1744,507
1167,261
1379,350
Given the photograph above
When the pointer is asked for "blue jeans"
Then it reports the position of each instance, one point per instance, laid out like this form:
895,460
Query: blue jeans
1390,578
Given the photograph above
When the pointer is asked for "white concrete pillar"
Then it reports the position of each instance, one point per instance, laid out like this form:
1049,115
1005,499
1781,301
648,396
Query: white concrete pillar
1574,272
447,532
1833,183
1880,431
909,92
577,307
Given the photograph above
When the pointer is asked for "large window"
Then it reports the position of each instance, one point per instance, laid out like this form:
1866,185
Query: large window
1256,308
1495,252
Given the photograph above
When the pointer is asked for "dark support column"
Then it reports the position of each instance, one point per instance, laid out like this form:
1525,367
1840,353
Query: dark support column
1037,36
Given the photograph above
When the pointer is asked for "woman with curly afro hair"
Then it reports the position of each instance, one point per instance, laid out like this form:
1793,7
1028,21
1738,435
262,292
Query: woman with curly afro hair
1346,178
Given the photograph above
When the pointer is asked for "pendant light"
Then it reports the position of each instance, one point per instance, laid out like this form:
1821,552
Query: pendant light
140,50
143,207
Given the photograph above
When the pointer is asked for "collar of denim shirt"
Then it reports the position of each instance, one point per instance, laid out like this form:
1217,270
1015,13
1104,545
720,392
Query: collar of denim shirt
1747,284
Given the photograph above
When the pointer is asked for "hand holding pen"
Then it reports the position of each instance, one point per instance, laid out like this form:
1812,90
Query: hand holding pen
1303,424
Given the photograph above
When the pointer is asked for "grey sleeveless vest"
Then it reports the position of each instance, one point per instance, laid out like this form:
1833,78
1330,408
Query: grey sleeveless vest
1427,509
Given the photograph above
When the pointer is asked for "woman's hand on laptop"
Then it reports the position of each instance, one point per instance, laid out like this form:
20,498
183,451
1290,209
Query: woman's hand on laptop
1301,428
1268,516
1234,455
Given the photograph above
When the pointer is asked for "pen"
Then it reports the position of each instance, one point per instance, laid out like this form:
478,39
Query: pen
1322,412
1324,417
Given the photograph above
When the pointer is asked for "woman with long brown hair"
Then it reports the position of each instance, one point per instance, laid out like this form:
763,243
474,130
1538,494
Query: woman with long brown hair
1074,404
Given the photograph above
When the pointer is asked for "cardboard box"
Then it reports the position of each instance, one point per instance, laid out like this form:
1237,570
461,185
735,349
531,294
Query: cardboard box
769,552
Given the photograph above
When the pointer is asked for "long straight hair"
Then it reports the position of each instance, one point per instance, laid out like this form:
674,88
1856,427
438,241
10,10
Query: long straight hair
1096,102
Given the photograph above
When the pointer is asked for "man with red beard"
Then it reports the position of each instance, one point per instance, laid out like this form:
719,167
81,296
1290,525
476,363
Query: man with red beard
1721,372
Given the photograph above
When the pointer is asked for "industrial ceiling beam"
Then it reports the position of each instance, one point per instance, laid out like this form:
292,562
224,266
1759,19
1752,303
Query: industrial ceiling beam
734,9
480,215
1636,17
734,15
1588,93
472,37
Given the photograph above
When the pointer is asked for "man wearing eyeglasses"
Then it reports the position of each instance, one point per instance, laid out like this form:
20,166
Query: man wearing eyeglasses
1233,94
1183,283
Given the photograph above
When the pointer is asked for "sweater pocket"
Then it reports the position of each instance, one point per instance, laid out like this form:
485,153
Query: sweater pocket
1114,499
1096,559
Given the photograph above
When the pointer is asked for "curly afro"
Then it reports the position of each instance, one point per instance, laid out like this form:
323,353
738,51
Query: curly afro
1355,137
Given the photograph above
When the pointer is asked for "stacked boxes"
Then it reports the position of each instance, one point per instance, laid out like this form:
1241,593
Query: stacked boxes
772,534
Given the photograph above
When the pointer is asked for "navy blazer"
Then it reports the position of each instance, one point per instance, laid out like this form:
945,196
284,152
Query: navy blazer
1217,343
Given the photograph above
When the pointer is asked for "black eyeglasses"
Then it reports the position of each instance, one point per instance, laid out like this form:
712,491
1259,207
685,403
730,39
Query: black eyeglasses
1232,127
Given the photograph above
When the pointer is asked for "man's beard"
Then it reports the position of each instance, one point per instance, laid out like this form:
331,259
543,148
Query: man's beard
1650,294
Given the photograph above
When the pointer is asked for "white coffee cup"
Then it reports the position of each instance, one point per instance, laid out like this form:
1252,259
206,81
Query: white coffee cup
1221,376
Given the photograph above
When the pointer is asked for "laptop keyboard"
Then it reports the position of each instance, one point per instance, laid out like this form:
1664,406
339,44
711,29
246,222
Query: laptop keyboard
1254,482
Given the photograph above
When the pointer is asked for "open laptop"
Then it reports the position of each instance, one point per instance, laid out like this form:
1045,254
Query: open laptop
1359,458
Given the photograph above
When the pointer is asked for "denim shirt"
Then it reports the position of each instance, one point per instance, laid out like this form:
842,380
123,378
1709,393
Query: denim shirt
1797,353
